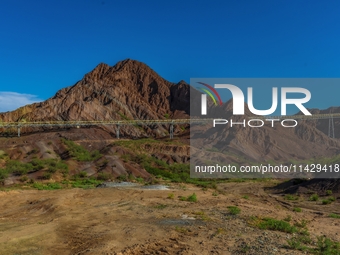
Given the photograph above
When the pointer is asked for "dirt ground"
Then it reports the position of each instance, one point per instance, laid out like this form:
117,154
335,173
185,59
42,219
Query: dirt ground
134,221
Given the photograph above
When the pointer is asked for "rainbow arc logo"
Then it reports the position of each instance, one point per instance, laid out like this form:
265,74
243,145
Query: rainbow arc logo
209,90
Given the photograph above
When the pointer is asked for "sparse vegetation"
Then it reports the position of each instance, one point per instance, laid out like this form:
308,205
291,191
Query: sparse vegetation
234,210
329,192
48,186
273,224
171,196
297,209
160,206
314,197
191,198
104,176
291,197
288,218
334,215
80,153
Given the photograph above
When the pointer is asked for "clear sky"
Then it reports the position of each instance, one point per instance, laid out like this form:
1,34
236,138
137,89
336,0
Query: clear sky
48,45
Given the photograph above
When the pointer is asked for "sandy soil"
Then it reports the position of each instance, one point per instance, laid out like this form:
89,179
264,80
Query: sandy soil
134,221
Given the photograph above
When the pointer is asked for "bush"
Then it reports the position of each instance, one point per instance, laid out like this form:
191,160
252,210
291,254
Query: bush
171,196
297,209
46,176
104,176
49,186
192,198
234,210
327,246
23,178
3,175
80,153
291,197
329,192
334,215
314,197
326,202
278,225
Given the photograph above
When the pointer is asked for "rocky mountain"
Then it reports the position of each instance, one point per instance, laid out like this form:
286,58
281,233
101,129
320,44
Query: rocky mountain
128,90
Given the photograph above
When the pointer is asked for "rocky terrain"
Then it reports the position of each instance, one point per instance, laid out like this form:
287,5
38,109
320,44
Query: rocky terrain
231,219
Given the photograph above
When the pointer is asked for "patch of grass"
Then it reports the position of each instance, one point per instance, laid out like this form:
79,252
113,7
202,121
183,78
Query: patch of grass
329,192
288,218
48,186
23,178
46,176
215,194
334,215
291,197
201,215
245,197
3,175
273,224
104,176
181,230
326,246
123,178
161,206
192,198
314,197
297,209
326,202
301,224
80,153
171,196
85,183
234,210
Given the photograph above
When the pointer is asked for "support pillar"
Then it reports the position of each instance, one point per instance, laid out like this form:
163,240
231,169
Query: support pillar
171,130
117,131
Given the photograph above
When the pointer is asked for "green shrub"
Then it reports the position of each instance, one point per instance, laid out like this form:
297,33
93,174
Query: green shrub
234,210
278,225
288,218
326,246
326,202
192,198
122,178
49,186
314,197
80,153
334,215
291,197
297,209
104,176
329,192
3,175
23,178
301,224
171,196
46,176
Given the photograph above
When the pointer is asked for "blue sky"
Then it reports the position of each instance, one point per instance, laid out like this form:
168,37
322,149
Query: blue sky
48,45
